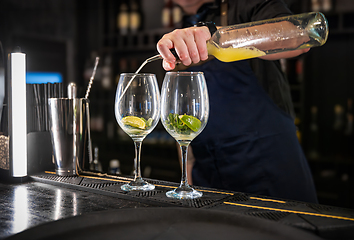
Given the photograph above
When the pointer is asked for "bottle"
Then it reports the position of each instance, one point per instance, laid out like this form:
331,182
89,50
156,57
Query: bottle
299,70
315,5
166,16
106,73
123,19
114,166
255,39
96,163
134,17
176,15
327,5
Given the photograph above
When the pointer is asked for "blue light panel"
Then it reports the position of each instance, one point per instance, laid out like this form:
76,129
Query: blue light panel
43,77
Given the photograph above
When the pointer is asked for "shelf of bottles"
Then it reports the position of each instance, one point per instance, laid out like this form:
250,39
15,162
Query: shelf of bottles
339,13
124,29
323,93
125,43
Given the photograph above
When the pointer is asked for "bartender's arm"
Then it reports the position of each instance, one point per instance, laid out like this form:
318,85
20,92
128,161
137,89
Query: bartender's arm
190,45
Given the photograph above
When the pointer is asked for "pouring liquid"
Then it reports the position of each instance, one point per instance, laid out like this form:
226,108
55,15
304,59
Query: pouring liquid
255,39
156,57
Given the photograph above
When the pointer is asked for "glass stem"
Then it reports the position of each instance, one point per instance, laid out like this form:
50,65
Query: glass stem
137,144
184,150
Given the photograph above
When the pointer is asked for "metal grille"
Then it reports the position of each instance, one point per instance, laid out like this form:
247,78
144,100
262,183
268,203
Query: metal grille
64,179
199,202
274,216
239,197
110,186
320,208
97,185
148,193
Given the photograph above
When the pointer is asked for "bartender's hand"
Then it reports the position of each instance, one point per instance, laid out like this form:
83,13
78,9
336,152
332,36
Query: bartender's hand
189,43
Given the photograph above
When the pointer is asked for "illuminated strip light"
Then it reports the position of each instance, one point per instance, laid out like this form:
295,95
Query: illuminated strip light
290,211
17,114
210,191
267,200
114,180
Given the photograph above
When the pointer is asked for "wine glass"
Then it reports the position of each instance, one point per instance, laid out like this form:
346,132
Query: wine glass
137,107
184,114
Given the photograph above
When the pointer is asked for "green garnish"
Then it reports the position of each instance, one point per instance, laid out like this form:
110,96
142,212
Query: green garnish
176,123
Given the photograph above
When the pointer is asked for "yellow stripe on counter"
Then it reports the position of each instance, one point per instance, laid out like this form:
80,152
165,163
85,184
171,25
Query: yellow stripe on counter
210,191
267,200
290,211
99,178
128,180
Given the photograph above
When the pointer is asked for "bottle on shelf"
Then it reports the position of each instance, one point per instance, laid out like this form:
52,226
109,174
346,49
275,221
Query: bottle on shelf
123,67
110,129
176,15
327,5
299,69
96,164
315,5
123,18
100,121
167,14
134,17
114,167
106,73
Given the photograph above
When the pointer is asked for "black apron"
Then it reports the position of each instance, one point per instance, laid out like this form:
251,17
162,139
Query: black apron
249,143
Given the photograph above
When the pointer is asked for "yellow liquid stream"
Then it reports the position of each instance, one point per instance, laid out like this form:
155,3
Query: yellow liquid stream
233,54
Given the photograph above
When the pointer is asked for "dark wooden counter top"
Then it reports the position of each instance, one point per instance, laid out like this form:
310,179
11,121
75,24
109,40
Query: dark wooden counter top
47,197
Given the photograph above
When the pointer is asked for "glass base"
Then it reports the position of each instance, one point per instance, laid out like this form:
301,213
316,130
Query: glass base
184,193
139,185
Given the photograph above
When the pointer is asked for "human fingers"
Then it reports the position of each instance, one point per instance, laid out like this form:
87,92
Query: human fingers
163,47
183,41
201,37
168,65
191,45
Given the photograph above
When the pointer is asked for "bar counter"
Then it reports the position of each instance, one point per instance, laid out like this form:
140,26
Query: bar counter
92,206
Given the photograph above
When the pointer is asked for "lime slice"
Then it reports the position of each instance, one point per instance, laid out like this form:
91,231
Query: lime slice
134,122
191,122
149,122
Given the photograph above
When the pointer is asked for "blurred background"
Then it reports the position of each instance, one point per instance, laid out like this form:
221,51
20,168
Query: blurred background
63,38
